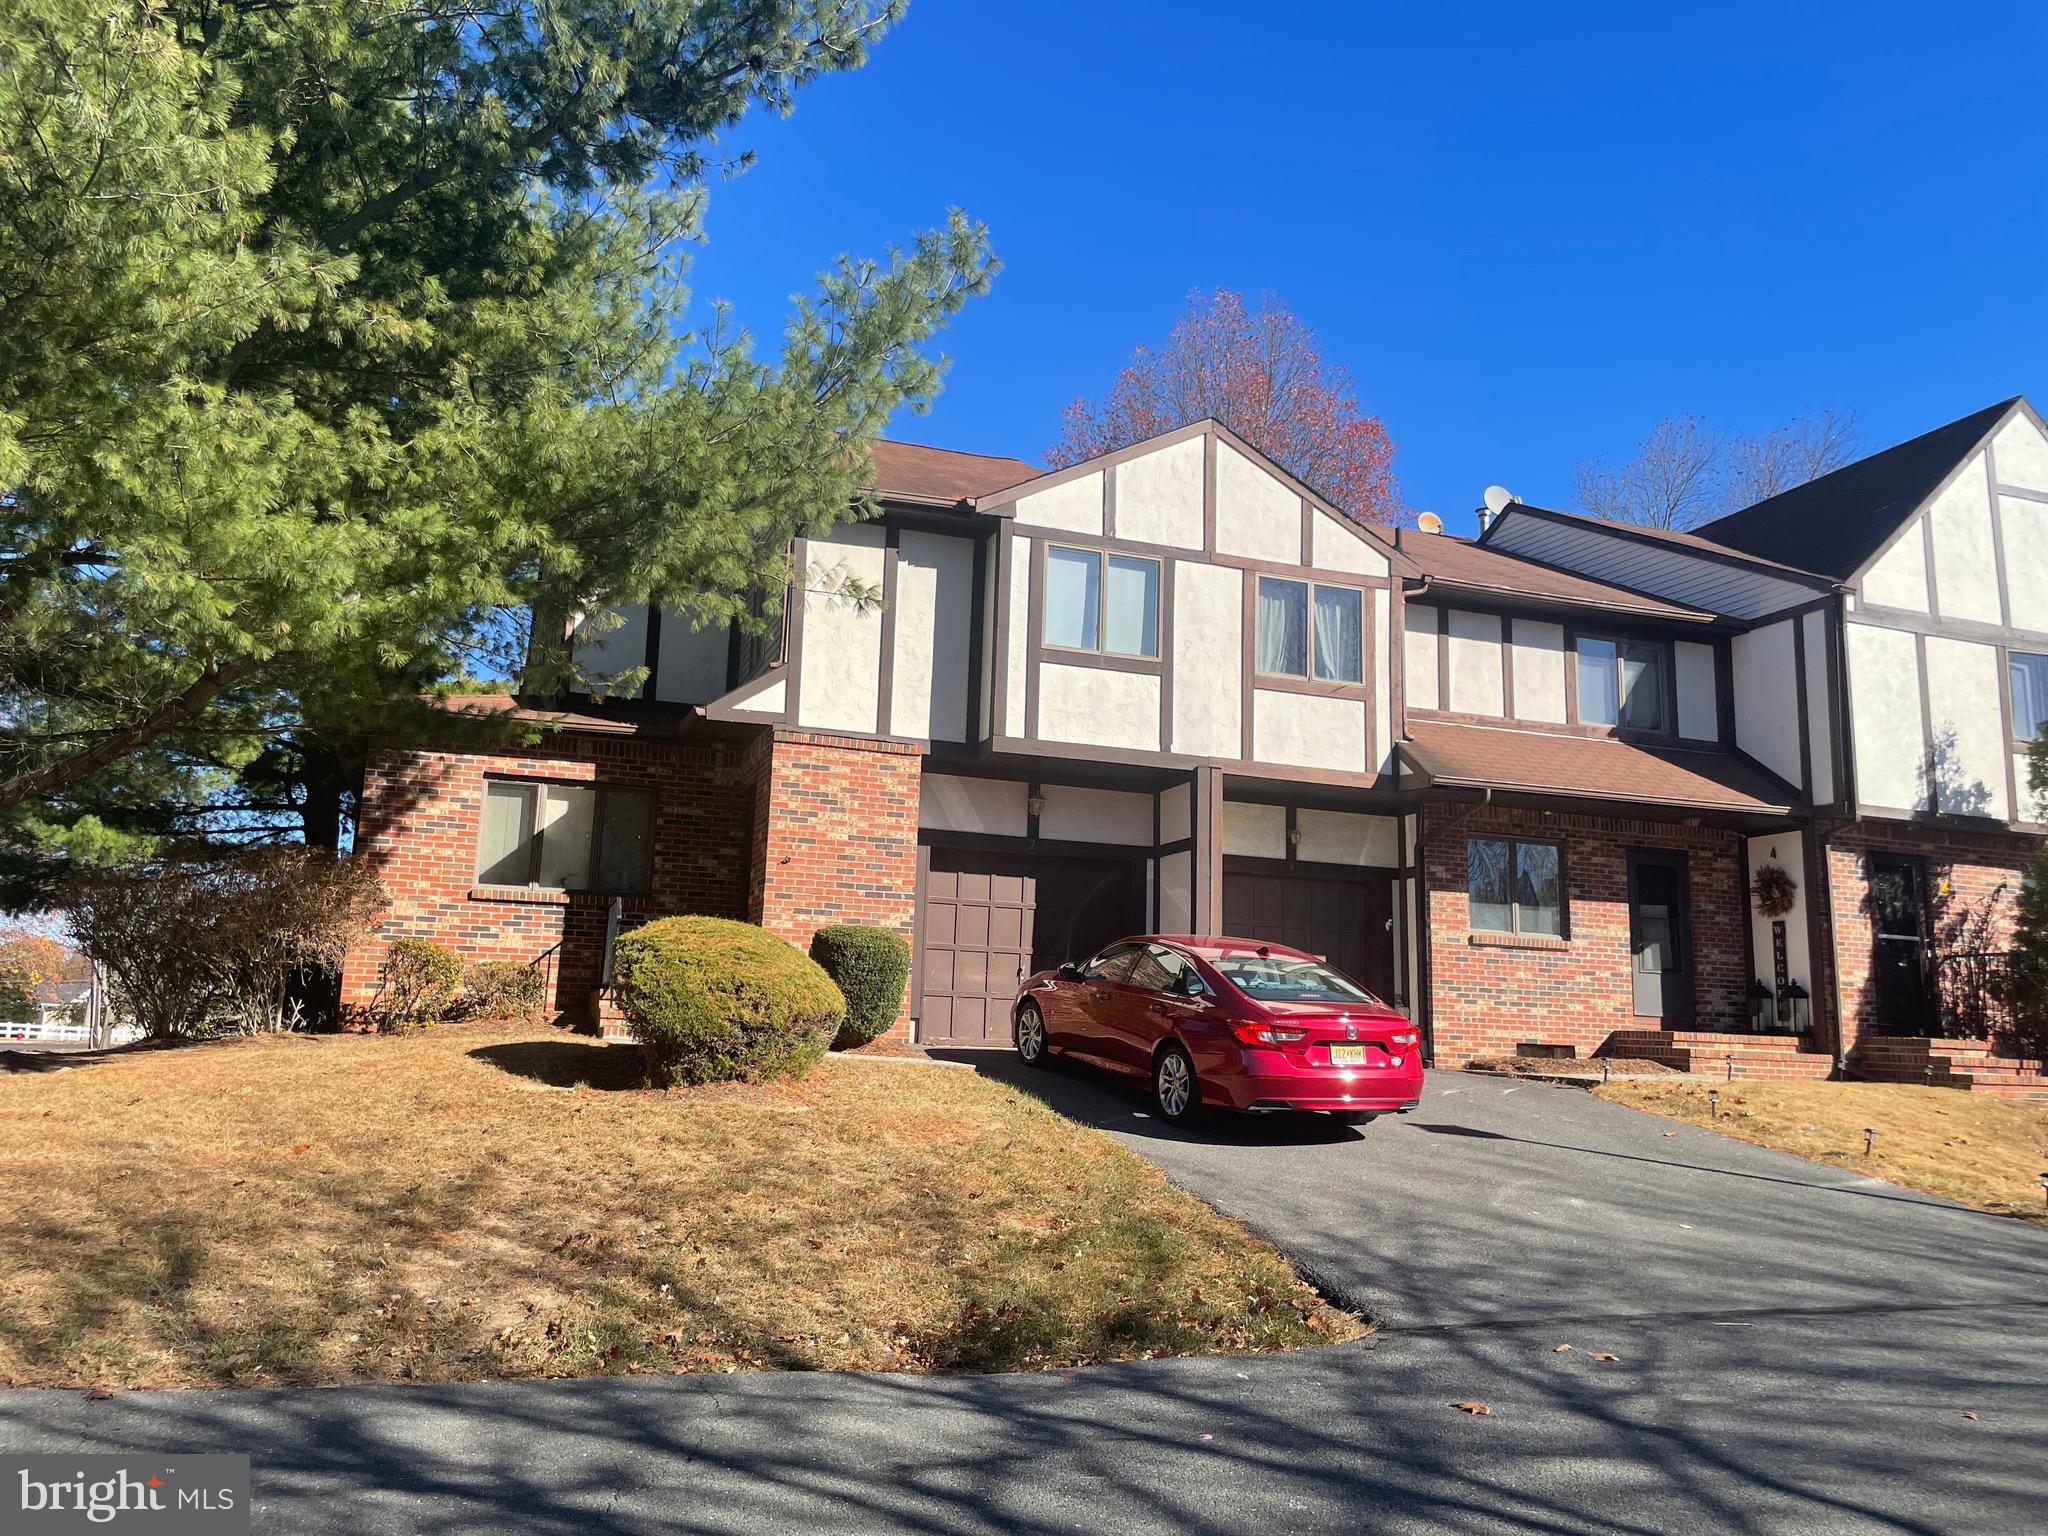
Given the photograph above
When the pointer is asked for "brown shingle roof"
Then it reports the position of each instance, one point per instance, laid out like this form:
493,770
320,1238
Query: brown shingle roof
1460,564
913,472
1589,767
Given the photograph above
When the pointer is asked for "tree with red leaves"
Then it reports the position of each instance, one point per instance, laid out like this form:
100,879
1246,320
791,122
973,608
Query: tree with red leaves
1264,376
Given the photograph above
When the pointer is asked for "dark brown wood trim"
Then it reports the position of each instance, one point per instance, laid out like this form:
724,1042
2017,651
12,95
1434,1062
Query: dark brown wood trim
1108,502
799,604
1820,924
978,651
1308,532
1838,717
1322,575
1209,494
998,842
1247,660
1368,677
1357,874
1443,657
1059,656
917,929
1282,682
1397,664
999,641
1951,629
1997,539
1930,765
1206,897
2012,743
653,662
1034,635
885,690
1724,691
994,503
1796,610
1166,609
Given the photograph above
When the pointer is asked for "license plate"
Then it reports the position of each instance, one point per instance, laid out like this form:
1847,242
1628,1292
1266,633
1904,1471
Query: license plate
1347,1055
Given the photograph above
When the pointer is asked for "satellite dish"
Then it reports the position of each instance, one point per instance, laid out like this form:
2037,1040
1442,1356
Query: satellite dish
1429,522
1498,499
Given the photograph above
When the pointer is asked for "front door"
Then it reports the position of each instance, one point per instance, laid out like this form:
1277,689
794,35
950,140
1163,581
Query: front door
1898,920
1660,934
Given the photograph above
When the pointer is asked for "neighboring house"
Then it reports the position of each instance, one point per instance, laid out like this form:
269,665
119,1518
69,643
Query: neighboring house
56,1011
1519,785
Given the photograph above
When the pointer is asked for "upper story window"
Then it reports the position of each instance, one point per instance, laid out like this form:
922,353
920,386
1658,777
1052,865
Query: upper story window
1312,631
1117,616
565,837
2029,694
1623,682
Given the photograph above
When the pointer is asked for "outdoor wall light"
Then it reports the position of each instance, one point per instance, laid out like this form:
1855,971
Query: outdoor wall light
1036,806
1795,1008
1294,837
1759,1007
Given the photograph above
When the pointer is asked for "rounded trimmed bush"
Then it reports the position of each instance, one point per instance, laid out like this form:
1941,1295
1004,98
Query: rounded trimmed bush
420,979
715,1001
871,967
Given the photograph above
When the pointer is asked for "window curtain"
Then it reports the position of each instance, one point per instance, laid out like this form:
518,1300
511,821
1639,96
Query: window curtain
1283,628
1340,635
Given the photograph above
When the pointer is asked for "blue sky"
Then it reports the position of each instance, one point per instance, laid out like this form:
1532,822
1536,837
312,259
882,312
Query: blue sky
1528,234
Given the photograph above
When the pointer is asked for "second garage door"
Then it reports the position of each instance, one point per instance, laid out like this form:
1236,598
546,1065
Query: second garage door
1344,921
992,918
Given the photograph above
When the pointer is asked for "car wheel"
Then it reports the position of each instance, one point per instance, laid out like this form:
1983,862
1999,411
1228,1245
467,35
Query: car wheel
1176,1093
1031,1036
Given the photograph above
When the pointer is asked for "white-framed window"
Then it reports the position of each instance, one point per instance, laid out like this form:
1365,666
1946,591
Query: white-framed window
1310,630
1623,682
1102,602
2029,675
565,837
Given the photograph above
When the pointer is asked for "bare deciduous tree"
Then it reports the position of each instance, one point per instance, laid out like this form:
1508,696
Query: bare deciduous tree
1686,473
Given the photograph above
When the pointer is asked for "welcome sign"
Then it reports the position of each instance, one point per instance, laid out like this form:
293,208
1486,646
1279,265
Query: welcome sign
145,1493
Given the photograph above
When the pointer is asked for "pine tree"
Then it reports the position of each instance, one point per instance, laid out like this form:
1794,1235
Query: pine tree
342,339
2030,930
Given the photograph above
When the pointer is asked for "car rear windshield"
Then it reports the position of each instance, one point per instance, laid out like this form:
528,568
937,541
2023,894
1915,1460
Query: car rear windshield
1280,979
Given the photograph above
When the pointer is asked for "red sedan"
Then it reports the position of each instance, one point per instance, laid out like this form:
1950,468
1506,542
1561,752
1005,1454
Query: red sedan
1225,1023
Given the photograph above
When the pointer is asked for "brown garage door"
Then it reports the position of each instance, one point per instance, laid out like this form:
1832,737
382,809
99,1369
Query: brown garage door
1344,921
992,918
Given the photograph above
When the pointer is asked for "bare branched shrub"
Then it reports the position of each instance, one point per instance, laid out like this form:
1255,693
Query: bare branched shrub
202,942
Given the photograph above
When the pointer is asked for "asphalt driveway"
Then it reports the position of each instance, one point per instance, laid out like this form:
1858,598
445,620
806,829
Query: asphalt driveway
1798,1350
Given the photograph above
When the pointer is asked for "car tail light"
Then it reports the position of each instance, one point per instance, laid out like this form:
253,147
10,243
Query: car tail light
1407,1039
1266,1034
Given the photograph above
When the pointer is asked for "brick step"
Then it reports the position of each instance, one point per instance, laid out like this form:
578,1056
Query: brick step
1698,1039
1707,1053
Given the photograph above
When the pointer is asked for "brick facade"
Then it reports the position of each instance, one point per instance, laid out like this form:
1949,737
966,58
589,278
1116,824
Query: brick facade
1488,995
1970,875
418,827
839,815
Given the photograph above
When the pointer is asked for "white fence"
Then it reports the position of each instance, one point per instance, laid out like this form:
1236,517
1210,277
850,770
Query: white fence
65,1032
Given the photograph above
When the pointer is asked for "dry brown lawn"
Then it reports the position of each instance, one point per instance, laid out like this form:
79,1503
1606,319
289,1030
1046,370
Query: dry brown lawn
501,1200
1966,1147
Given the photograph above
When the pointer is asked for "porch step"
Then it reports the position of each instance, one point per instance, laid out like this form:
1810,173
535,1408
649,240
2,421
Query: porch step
1969,1065
607,1015
1771,1057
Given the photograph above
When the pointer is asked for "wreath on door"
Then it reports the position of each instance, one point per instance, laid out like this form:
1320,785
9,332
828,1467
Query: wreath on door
1773,890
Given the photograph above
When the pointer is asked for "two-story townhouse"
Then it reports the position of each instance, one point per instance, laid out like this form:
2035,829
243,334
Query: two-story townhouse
1521,786
1891,664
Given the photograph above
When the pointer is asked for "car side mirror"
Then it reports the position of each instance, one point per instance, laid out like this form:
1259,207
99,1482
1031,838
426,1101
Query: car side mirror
1189,984
1069,971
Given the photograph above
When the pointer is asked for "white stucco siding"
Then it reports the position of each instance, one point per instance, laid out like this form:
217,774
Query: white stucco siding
1159,496
2026,560
1382,686
1965,564
1898,579
690,666
1333,547
1208,660
2021,453
1254,831
956,803
768,701
1345,837
1767,698
1820,733
1017,636
1257,517
1075,506
842,646
1176,813
1969,728
1539,671
603,650
1076,815
1420,683
1177,893
1884,693
1093,707
1699,706
2033,807
1475,683
1304,730
934,636
1786,850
